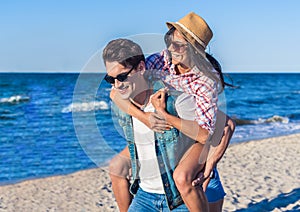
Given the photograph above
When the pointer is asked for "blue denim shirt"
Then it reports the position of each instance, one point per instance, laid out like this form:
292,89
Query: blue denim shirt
168,146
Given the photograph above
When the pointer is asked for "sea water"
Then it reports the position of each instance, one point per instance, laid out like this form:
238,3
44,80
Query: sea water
54,124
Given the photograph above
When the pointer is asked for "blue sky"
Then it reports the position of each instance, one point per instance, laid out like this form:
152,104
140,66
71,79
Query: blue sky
61,35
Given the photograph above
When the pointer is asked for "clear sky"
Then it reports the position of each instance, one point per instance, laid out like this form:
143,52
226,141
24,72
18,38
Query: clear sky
61,35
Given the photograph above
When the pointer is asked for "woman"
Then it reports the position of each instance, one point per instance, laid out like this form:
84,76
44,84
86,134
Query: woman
188,69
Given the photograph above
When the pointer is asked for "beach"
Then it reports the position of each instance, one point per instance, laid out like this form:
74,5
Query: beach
261,175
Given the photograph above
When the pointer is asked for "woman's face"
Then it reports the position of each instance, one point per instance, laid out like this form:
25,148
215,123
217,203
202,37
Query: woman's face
179,50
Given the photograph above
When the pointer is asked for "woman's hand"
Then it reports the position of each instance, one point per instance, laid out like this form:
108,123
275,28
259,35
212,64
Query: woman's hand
203,177
158,101
157,122
152,120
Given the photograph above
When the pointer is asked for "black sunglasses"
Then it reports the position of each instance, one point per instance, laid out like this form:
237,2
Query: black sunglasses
177,46
121,77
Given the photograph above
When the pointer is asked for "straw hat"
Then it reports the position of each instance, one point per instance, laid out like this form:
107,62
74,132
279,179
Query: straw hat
194,29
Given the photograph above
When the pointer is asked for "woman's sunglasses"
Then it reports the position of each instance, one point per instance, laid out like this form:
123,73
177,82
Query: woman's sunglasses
121,77
176,46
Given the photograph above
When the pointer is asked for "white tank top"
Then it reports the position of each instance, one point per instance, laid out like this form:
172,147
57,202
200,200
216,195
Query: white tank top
150,179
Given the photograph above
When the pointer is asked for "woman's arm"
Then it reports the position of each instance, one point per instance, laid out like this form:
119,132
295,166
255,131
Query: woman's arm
151,120
218,151
187,127
221,142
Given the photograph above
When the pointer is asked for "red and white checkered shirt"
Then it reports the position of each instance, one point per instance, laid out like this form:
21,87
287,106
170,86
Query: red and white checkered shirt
194,82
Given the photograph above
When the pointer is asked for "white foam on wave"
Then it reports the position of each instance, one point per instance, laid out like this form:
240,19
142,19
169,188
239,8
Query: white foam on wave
272,119
85,106
260,131
14,99
259,121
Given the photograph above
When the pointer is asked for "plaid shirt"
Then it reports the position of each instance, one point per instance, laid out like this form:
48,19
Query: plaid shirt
194,82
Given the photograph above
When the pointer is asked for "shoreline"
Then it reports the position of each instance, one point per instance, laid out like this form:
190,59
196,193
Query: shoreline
257,175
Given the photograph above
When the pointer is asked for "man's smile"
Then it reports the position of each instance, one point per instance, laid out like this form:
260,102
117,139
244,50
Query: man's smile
123,89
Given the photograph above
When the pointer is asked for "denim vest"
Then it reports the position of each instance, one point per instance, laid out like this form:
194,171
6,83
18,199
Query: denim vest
168,147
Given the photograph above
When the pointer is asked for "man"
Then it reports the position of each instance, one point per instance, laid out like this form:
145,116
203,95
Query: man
154,156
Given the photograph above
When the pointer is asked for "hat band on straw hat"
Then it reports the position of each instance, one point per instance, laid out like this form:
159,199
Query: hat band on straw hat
192,34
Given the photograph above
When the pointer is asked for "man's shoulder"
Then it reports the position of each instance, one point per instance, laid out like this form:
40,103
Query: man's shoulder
118,113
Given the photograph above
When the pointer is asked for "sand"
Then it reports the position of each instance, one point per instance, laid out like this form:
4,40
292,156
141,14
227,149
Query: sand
261,175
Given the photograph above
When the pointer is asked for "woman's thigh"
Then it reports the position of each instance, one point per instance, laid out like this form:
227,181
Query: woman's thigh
191,162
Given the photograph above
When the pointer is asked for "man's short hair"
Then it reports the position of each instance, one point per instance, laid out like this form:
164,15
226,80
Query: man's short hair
124,51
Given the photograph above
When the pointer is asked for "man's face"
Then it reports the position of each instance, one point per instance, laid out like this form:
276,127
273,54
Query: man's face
125,88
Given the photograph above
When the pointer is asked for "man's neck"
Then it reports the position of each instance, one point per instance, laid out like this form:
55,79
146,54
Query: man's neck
141,99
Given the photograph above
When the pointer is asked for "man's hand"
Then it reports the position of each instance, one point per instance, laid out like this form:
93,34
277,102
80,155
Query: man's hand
204,177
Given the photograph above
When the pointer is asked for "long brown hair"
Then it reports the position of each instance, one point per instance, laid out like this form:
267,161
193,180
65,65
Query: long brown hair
202,60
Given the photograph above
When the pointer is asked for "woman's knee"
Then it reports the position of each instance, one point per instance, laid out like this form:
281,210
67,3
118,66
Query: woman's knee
183,179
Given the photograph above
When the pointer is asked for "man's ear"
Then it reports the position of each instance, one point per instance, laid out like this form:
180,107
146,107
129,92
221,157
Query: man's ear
141,67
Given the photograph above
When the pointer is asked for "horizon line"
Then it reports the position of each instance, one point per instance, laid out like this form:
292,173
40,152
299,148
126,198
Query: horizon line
101,72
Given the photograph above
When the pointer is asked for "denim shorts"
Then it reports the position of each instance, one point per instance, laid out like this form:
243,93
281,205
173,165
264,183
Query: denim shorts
150,202
215,191
145,201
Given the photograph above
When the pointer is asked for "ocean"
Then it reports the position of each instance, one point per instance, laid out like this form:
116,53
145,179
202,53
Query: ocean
52,124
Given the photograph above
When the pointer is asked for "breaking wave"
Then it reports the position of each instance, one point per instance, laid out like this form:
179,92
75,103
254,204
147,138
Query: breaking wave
275,118
14,99
85,107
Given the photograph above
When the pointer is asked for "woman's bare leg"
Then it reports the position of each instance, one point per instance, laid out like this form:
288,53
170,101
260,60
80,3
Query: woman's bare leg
216,206
118,171
186,171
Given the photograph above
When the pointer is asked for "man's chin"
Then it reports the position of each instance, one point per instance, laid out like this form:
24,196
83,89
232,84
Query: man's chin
125,92
124,96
